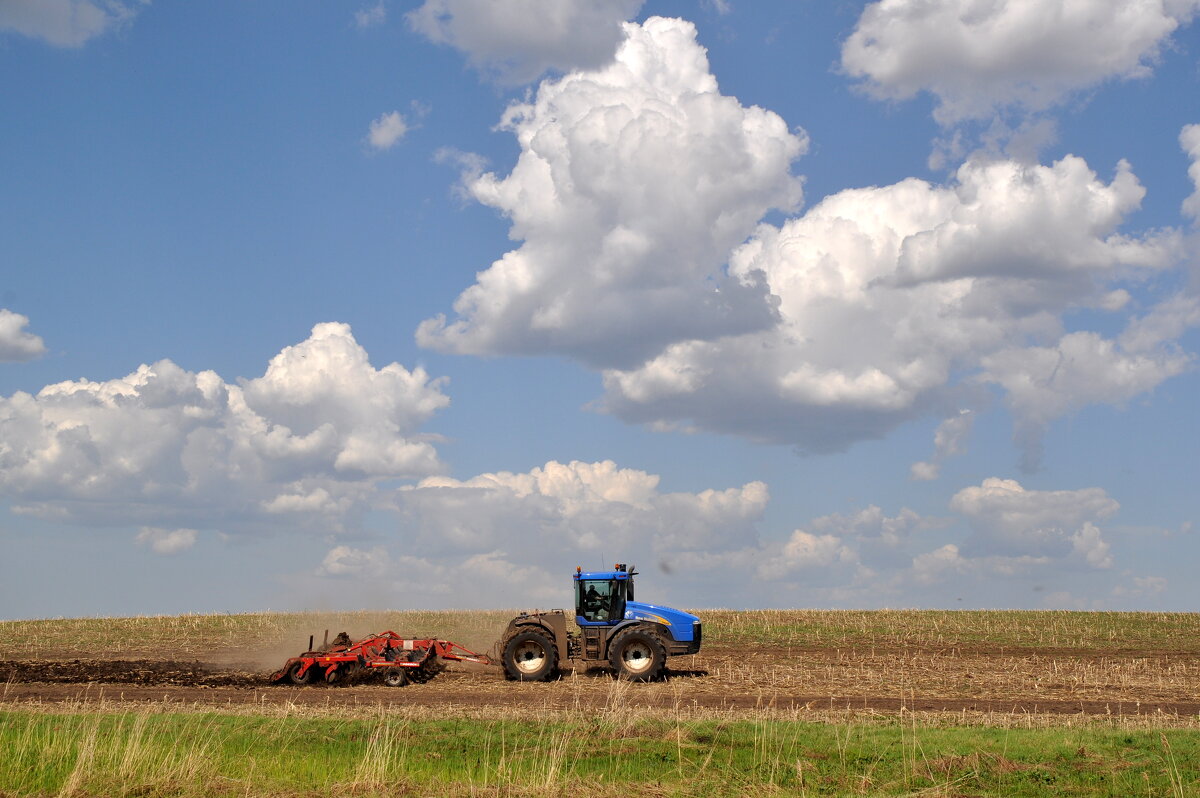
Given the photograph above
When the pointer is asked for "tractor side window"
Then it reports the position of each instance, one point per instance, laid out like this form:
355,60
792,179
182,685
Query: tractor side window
595,599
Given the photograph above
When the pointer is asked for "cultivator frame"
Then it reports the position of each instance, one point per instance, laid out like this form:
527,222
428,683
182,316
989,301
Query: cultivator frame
388,656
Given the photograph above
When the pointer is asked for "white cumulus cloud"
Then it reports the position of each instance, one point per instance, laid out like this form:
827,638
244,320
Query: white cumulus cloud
495,579
370,16
66,23
1010,520
981,56
890,298
16,344
635,199
633,184
516,537
1189,139
166,541
934,566
312,436
349,561
1042,383
516,41
841,555
1009,533
1000,534
949,440
1141,586
805,551
576,508
386,131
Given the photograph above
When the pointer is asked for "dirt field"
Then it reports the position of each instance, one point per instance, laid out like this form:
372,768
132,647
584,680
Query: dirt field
960,678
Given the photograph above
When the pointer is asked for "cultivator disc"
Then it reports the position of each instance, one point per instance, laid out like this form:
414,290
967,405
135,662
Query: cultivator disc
385,657
426,671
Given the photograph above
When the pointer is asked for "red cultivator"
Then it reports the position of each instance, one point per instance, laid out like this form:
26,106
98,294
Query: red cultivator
388,656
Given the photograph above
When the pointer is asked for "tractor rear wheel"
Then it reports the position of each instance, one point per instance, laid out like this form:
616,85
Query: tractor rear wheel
637,655
301,678
530,656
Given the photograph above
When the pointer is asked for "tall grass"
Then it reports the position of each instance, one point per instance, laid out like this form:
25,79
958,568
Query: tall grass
142,753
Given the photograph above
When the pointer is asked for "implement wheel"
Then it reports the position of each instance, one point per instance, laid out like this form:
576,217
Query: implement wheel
395,677
637,655
302,678
530,656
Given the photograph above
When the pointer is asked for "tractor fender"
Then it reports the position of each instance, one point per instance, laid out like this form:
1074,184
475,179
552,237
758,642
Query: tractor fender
658,628
553,624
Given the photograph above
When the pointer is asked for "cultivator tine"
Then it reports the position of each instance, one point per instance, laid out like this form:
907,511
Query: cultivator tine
396,659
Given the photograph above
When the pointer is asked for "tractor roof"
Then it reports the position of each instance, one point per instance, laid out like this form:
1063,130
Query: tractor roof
620,571
602,574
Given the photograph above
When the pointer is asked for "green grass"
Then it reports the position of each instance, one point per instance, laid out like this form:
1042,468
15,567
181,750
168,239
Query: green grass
144,753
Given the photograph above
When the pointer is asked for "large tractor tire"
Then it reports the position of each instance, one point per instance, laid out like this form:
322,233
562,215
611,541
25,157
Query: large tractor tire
530,656
637,655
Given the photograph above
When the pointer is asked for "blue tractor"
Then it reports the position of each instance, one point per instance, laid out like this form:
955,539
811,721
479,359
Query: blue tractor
633,637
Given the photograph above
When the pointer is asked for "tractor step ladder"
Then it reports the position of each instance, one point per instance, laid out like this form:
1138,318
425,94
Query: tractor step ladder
591,642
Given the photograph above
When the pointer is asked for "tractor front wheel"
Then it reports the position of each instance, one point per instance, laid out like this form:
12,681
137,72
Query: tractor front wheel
637,655
530,656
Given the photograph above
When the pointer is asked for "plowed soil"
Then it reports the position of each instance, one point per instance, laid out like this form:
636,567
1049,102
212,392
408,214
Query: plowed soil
954,679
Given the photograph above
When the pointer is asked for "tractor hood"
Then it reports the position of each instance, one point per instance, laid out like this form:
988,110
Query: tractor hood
680,623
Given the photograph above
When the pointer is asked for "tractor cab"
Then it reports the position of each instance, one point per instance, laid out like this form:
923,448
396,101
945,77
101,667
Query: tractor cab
600,596
605,598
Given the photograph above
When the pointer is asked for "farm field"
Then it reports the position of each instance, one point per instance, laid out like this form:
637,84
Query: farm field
818,702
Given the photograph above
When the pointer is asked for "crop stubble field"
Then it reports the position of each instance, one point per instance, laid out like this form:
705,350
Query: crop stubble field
934,701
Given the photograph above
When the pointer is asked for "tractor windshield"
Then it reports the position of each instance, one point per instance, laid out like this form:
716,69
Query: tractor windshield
600,600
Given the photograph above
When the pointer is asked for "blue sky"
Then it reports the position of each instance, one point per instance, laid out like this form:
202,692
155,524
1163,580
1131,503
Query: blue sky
421,304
